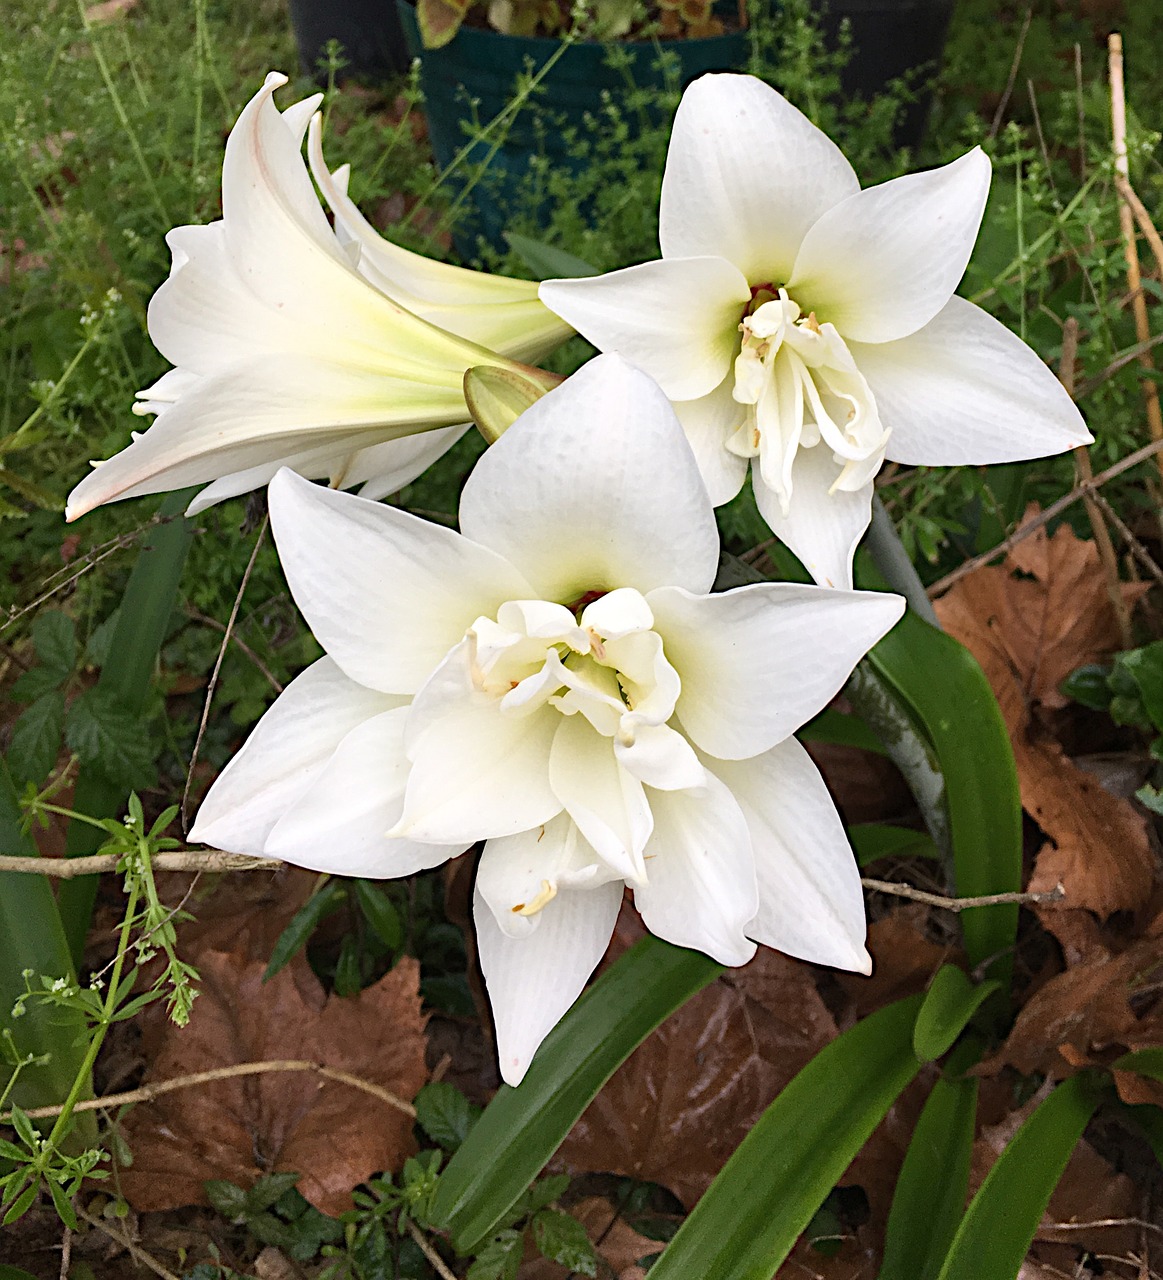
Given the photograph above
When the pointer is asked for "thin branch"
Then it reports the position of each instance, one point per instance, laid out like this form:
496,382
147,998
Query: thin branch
150,1092
1017,62
438,1263
137,1253
1141,1223
196,615
1143,218
217,668
1044,517
98,863
958,904
1140,552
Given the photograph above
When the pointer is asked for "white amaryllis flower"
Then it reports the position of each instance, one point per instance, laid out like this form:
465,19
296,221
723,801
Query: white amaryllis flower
799,321
329,351
556,681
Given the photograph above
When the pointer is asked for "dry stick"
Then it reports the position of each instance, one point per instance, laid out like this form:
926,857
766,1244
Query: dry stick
217,668
98,863
196,615
66,1253
1127,227
438,1264
150,1092
1143,218
137,1253
1009,89
1032,526
1102,537
954,904
1140,552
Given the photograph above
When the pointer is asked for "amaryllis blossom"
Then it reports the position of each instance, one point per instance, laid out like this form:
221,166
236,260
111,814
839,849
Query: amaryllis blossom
810,328
556,681
329,351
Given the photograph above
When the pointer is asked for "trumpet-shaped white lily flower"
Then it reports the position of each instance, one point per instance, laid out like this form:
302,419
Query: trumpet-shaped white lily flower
556,681
810,327
328,351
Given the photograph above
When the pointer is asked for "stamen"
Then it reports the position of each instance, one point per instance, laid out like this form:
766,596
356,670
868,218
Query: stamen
543,899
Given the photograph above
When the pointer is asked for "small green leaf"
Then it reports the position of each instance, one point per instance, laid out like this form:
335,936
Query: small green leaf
23,1126
874,840
544,1192
10,1151
111,739
380,912
36,682
445,1114
55,640
36,738
320,905
14,1273
767,1193
1089,686
930,1192
228,1199
999,1225
65,1210
547,262
562,1239
499,1259
268,1191
348,970
21,1205
950,1002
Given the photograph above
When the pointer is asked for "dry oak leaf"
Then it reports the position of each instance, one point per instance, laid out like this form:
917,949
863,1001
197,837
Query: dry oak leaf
334,1135
688,1095
1028,633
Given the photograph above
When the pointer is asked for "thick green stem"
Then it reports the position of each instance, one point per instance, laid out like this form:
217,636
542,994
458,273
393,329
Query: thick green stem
888,553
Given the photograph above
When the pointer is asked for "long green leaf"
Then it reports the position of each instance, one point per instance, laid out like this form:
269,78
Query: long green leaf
141,626
947,692
1147,1062
31,937
950,1002
521,1128
752,1214
997,1229
930,1192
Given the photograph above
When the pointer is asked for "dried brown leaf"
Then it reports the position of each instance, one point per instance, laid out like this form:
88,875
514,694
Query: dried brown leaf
333,1134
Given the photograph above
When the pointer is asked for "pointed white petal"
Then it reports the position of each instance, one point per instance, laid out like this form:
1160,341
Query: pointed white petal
595,487
532,981
386,594
476,772
286,751
746,176
702,891
810,901
660,757
964,390
515,871
314,464
388,467
607,803
709,422
677,319
821,528
885,261
759,661
264,410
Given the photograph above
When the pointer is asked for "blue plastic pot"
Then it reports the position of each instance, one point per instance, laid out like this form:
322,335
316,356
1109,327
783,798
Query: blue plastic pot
484,65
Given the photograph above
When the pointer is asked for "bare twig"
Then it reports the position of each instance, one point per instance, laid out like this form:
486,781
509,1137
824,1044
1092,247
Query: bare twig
1017,62
1140,552
150,1092
1127,227
957,904
1143,218
217,668
1102,537
98,863
1044,517
1141,1223
136,1252
438,1263
66,1253
206,620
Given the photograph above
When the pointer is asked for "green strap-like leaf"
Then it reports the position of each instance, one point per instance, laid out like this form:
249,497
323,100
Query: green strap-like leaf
752,1214
31,937
521,1128
946,691
874,840
930,1192
546,261
949,1004
141,627
1147,1062
997,1229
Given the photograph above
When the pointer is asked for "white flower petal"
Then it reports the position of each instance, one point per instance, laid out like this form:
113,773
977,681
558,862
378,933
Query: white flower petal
709,422
593,488
676,319
702,891
532,981
660,757
515,870
607,803
339,822
476,772
886,260
821,528
386,594
746,176
759,661
315,464
386,468
617,614
964,390
810,901
286,751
